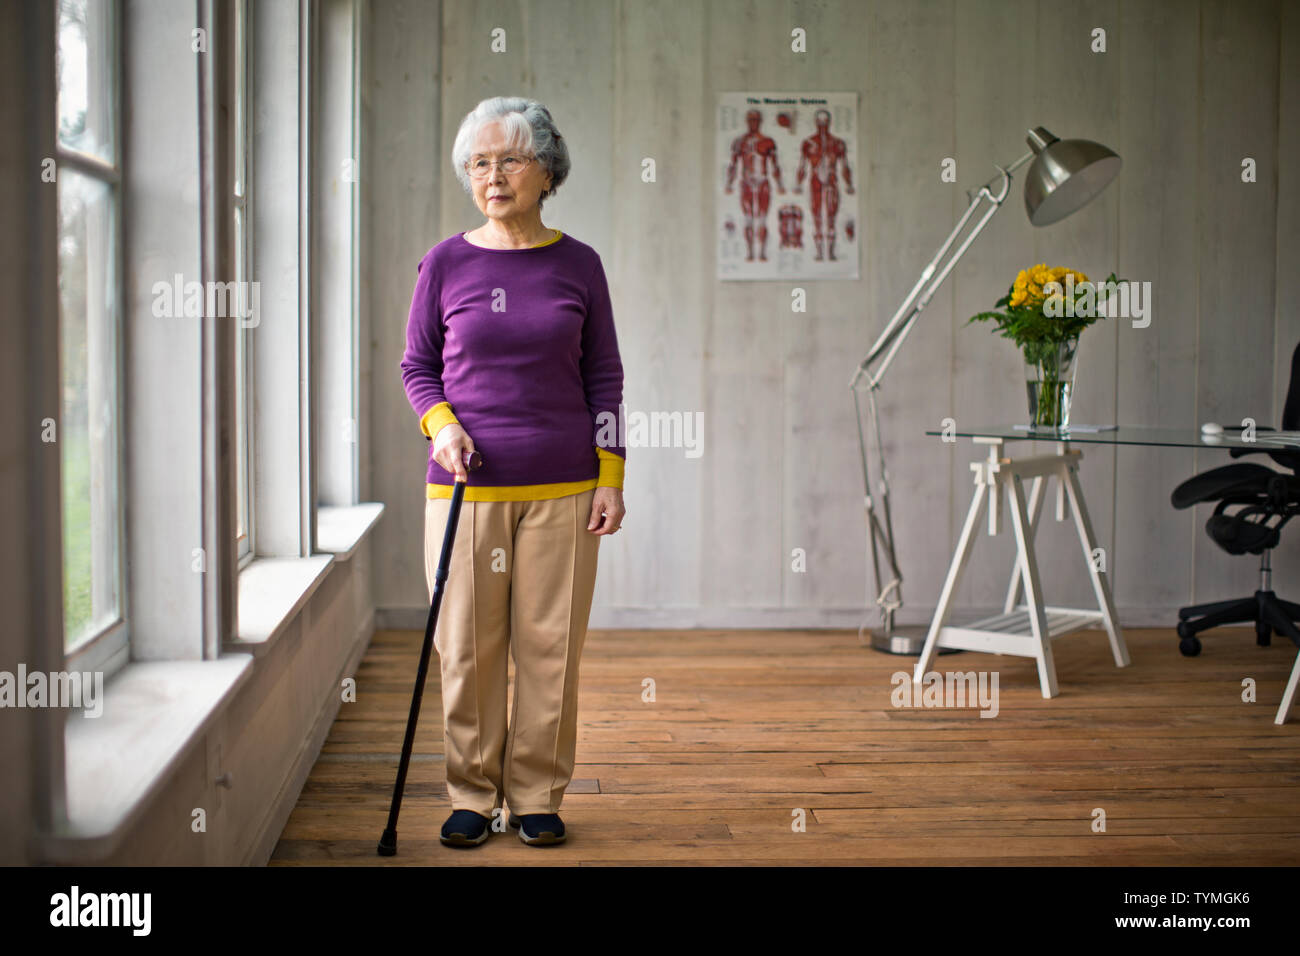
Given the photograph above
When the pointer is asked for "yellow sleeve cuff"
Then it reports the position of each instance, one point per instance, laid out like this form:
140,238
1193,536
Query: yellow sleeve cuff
611,470
436,418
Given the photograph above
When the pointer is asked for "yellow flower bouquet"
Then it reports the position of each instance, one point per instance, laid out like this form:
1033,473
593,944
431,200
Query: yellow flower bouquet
1044,312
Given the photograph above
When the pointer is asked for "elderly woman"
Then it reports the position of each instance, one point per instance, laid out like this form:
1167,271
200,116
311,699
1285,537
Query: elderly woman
511,351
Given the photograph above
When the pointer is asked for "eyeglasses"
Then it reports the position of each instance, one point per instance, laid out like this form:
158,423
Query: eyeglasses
480,167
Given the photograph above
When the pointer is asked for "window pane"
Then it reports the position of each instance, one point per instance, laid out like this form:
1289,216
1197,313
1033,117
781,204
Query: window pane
241,98
241,412
88,380
242,226
84,62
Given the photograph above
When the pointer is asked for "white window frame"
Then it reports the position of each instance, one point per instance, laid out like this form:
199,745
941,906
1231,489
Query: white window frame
244,257
335,196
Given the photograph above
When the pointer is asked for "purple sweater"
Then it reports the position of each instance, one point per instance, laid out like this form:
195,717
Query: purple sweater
521,343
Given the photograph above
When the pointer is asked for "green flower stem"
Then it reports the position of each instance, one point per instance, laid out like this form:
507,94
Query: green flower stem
1048,407
1049,401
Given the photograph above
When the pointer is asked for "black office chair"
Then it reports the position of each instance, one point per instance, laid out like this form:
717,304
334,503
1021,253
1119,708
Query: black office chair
1264,494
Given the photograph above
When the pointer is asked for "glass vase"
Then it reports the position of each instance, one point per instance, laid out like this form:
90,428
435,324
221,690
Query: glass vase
1049,381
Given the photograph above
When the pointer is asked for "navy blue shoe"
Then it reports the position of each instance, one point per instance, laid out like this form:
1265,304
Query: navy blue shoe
539,829
465,828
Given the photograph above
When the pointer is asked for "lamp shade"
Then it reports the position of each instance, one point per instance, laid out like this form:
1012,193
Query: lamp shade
1065,175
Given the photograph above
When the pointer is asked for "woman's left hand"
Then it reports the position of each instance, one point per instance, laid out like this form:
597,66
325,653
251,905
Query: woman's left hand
606,511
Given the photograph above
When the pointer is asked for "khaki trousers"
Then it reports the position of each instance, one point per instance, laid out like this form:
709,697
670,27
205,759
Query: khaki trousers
522,576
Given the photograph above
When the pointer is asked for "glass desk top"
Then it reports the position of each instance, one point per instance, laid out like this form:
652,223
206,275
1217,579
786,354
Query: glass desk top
1133,435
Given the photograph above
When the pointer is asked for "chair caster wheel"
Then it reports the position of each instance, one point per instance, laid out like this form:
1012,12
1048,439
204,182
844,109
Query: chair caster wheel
1190,646
1184,630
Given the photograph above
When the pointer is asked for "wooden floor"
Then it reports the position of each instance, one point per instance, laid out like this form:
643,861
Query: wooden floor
749,726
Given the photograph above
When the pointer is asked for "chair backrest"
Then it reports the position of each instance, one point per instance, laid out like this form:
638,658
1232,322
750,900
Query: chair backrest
1290,417
1291,410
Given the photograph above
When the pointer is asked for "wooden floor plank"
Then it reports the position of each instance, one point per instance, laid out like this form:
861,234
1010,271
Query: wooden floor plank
750,729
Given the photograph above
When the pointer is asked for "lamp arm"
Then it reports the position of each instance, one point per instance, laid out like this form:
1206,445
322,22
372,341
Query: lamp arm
892,333
1007,171
900,325
889,597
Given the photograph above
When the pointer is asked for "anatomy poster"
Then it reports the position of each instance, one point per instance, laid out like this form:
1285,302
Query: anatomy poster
787,190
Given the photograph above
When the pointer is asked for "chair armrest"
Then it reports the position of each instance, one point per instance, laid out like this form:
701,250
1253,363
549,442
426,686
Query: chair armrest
1286,458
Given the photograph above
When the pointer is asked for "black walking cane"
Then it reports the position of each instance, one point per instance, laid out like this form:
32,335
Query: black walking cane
388,842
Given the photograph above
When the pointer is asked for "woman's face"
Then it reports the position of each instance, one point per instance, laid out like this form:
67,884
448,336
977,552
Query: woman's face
498,195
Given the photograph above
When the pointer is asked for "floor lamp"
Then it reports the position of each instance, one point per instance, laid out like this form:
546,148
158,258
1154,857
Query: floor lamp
1065,175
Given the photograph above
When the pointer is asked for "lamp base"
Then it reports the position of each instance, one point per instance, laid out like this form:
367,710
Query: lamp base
907,640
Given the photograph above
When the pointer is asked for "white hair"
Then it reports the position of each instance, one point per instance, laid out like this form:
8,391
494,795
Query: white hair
527,126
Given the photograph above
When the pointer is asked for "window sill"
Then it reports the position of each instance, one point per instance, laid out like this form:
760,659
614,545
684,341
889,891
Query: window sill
340,529
273,590
271,593
153,713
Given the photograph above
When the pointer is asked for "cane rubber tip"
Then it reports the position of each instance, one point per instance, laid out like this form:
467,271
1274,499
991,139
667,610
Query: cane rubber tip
388,843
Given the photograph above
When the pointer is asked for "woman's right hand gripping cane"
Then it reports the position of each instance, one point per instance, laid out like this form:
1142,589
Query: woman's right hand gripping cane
452,448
